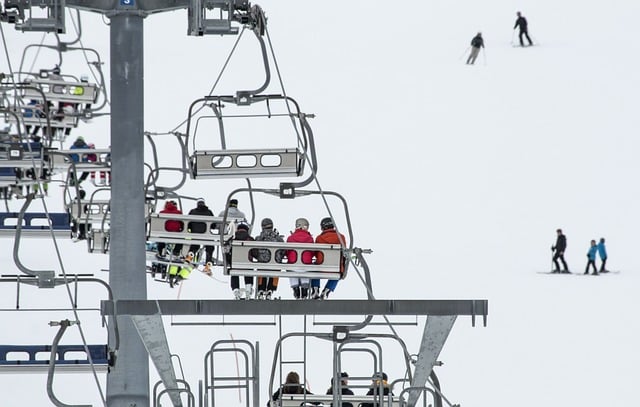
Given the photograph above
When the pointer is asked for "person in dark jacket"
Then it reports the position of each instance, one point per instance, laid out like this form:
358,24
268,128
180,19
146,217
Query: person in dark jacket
268,285
344,390
602,251
591,256
476,43
521,23
291,385
242,233
79,144
559,248
379,380
201,209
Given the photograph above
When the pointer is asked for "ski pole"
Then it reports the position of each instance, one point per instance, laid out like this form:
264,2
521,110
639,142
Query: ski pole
465,52
484,56
513,33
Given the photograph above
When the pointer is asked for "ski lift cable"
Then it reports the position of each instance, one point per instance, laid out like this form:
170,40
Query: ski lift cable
35,58
315,177
67,285
100,79
215,84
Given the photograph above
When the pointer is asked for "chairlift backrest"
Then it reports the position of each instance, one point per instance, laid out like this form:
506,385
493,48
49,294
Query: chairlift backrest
61,90
211,235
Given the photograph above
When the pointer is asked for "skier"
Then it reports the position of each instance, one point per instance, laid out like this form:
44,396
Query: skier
328,235
559,248
591,256
268,285
476,43
201,209
602,252
521,23
242,233
299,285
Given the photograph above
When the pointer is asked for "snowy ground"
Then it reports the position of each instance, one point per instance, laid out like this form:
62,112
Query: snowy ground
456,176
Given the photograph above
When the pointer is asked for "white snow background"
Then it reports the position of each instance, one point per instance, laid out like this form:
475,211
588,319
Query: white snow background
456,176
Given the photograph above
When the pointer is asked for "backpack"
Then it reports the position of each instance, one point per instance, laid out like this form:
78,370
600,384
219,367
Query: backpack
268,235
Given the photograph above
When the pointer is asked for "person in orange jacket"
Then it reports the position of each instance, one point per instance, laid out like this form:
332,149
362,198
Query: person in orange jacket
329,235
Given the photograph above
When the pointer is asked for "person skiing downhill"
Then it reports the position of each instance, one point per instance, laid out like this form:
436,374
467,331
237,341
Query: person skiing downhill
476,43
591,256
521,23
559,248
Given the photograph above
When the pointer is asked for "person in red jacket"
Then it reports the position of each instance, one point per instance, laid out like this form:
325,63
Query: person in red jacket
171,226
329,235
300,286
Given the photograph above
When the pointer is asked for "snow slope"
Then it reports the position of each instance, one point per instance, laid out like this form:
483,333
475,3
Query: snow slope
457,177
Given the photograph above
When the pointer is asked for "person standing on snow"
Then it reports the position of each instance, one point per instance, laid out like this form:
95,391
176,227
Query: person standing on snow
602,251
476,43
591,256
559,248
521,23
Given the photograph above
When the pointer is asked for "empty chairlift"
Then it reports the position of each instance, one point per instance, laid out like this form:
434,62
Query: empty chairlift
251,163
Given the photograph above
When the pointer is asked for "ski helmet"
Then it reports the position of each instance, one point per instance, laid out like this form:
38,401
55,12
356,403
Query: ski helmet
267,223
302,223
326,223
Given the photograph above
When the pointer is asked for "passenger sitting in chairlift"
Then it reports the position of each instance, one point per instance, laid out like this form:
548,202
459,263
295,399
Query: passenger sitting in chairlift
233,211
344,390
267,285
201,209
171,207
291,386
380,381
329,235
79,144
299,285
242,233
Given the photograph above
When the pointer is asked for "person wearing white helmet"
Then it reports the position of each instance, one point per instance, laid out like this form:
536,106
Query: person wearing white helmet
299,285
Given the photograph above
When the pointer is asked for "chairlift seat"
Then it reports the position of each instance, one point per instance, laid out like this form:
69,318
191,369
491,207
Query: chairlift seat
99,357
244,262
62,91
211,236
287,162
60,224
297,400
61,160
89,211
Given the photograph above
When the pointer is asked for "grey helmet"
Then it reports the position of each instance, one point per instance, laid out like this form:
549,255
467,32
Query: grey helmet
302,223
267,223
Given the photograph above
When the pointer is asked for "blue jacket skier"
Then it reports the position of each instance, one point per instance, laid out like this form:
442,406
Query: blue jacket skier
591,256
602,251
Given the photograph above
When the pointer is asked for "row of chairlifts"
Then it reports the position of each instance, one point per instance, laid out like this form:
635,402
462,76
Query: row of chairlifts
230,163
